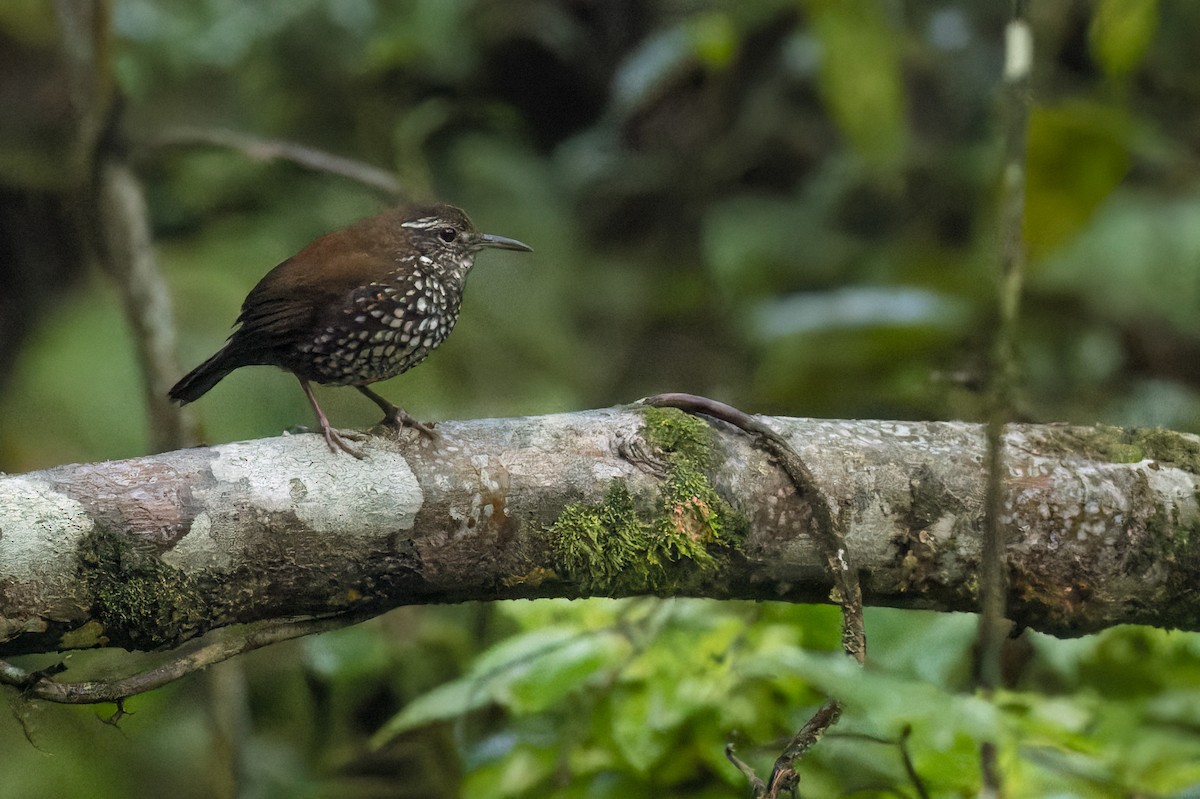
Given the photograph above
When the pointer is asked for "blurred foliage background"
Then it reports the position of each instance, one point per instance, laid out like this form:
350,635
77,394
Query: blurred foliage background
789,205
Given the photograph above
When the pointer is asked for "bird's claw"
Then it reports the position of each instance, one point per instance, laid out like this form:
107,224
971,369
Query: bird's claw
399,418
336,439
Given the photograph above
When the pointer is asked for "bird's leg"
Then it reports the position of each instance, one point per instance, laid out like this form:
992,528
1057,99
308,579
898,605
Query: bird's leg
394,415
332,438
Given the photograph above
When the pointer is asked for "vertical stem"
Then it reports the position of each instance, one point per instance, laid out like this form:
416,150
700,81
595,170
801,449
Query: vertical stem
127,254
993,571
113,218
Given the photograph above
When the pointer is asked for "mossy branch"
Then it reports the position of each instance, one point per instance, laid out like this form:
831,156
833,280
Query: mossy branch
149,553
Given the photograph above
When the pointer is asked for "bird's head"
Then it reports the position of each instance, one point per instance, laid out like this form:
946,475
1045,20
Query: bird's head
446,237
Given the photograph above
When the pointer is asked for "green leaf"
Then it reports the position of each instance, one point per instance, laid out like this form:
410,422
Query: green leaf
527,673
447,701
860,77
642,726
890,703
1135,261
1078,153
543,682
514,651
518,773
1121,32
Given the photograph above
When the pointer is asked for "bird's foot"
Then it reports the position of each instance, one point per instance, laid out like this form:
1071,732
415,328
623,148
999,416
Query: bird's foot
334,438
399,418
337,439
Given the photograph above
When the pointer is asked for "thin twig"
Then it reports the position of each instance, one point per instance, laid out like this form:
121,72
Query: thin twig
909,768
847,592
40,685
783,775
993,574
826,524
261,149
756,783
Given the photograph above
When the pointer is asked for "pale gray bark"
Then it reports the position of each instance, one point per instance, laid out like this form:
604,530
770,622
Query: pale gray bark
150,552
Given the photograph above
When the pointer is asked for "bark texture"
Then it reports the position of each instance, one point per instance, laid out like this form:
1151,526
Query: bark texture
1103,524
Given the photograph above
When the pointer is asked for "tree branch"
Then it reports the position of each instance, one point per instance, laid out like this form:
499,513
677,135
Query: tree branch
151,552
260,149
227,644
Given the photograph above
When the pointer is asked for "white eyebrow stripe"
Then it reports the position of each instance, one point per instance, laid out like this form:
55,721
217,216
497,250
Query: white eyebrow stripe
424,223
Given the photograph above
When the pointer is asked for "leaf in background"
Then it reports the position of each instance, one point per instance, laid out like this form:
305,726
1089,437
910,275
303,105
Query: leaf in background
526,673
753,245
643,726
447,701
550,677
1078,154
860,78
855,307
515,771
887,701
1137,260
1121,32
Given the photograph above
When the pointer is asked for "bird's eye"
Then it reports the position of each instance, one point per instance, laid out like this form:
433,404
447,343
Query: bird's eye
447,234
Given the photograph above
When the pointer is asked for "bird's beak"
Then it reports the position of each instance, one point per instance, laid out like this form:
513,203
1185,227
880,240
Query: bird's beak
502,242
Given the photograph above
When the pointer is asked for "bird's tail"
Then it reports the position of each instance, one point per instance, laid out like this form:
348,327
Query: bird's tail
197,382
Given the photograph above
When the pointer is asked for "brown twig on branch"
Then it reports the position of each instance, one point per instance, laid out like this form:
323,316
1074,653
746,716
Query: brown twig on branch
229,643
828,528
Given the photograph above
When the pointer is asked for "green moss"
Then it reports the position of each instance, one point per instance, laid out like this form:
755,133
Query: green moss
679,434
1131,445
676,540
604,547
141,602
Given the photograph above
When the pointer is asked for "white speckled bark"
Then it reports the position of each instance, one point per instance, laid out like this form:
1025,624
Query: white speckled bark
282,527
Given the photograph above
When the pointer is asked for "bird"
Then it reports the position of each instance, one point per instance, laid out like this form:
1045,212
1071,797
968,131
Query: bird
356,306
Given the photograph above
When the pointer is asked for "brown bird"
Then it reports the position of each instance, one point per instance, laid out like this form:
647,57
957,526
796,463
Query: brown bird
356,306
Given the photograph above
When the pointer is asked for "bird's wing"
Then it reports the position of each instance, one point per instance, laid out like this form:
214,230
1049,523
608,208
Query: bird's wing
306,292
